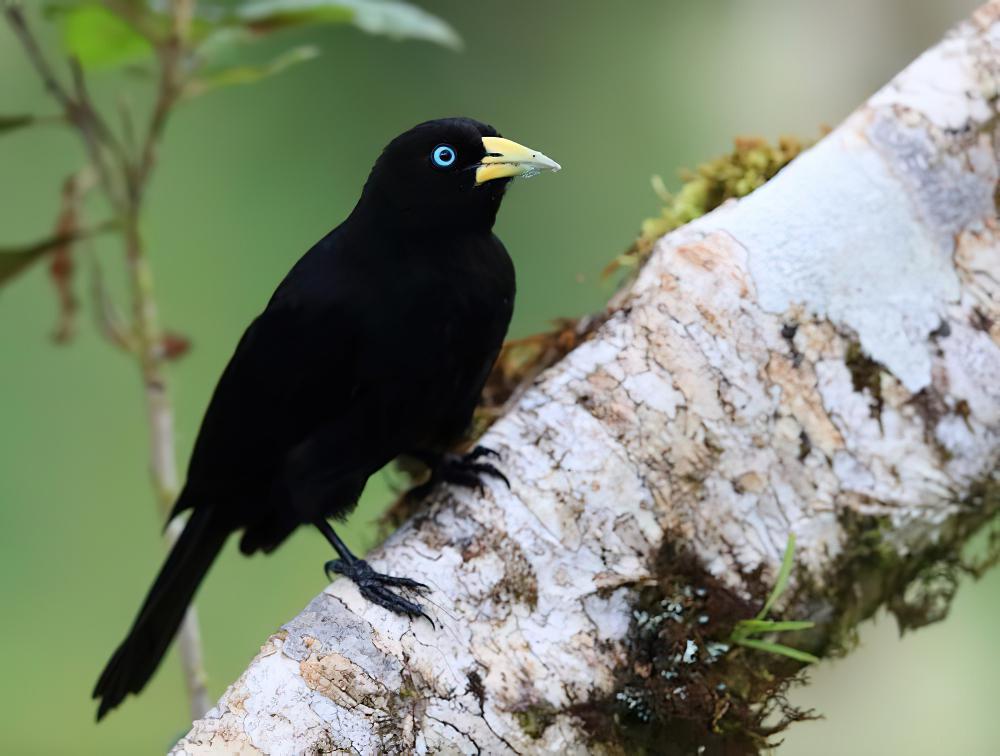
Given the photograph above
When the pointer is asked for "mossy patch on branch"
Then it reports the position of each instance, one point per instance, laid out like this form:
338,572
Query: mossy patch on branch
918,586
866,375
535,720
687,688
752,162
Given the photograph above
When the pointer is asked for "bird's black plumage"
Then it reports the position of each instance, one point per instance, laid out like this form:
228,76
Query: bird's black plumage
377,343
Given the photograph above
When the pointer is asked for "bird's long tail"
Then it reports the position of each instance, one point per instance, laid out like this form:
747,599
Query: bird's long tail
135,660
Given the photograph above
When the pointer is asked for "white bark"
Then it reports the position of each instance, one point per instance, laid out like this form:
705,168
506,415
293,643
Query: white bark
690,418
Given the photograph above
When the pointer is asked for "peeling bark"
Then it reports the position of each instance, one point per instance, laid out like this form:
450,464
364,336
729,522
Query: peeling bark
820,358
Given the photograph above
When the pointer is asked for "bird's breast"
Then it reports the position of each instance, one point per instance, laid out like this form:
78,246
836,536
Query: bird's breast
440,318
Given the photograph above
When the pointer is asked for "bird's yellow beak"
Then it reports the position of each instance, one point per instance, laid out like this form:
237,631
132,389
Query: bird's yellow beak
507,159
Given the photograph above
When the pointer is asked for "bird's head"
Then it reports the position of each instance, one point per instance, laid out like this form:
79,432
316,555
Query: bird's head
451,172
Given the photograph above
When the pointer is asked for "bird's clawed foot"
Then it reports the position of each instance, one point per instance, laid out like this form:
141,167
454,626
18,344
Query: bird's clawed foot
466,470
375,586
462,470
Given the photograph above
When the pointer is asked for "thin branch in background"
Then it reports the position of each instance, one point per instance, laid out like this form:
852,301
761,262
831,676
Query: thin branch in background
92,117
129,144
62,264
23,120
35,56
14,260
124,162
49,243
110,322
76,113
145,339
170,90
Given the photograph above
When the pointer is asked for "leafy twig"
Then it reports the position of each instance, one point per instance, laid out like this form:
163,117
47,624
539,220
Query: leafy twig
78,113
100,141
13,260
171,53
23,120
124,166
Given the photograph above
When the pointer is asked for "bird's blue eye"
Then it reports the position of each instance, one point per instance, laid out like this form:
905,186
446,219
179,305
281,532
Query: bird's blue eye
443,156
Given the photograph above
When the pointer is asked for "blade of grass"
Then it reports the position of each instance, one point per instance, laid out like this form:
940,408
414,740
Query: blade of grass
783,575
778,648
753,626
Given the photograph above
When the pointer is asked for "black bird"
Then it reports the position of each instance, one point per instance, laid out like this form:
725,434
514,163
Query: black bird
375,345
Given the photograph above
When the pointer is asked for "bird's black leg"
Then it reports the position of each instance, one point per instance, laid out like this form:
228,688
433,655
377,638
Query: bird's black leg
374,586
461,469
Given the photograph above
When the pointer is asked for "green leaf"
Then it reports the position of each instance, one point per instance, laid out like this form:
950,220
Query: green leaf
223,41
785,626
746,628
236,75
12,123
783,575
778,648
759,625
14,261
396,19
99,38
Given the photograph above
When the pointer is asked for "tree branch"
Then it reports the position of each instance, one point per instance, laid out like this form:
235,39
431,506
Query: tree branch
171,53
90,118
49,243
150,336
15,17
818,359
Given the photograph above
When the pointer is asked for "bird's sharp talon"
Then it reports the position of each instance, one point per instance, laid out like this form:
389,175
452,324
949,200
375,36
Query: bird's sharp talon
375,586
482,451
337,567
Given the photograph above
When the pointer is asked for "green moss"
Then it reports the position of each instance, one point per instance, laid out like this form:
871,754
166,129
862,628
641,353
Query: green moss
686,684
535,720
407,692
869,568
916,587
866,374
752,162
675,691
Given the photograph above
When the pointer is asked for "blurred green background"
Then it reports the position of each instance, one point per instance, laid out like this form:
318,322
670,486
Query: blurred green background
250,177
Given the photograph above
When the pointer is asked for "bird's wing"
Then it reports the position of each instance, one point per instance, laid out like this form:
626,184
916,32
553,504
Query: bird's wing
292,372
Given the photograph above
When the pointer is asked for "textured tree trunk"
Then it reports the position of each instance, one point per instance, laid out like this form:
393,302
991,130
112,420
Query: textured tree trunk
819,359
